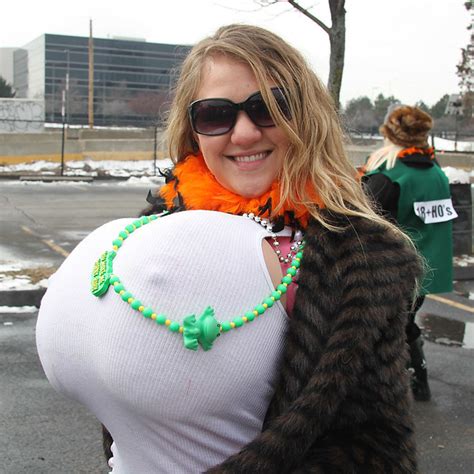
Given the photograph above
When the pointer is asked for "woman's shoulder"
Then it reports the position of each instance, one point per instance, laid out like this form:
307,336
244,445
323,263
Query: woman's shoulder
359,238
349,226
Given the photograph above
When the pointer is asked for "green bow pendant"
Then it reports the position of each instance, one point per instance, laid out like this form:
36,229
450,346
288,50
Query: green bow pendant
202,331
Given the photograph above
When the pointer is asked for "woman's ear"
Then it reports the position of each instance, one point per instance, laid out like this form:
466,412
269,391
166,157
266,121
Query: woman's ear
195,143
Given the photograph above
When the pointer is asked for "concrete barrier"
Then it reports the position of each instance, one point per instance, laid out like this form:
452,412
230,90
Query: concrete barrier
79,145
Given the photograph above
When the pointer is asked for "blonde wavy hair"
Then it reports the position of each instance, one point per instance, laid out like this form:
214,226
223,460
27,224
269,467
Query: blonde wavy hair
386,155
316,151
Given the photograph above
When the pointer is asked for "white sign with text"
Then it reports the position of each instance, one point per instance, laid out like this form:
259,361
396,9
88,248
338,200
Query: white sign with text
432,212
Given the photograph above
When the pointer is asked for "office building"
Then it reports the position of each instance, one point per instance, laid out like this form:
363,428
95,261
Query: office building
132,80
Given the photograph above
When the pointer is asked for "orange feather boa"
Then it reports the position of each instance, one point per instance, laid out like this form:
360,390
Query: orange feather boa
200,190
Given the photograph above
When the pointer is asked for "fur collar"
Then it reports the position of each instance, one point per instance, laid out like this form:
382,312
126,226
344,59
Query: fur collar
427,153
417,157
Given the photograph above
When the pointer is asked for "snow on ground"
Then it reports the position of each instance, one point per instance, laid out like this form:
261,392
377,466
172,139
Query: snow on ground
15,182
89,167
35,166
132,181
117,168
440,144
451,145
16,309
463,260
142,180
23,276
456,175
8,283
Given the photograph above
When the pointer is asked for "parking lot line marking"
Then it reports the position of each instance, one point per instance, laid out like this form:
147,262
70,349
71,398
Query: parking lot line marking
451,303
50,243
57,248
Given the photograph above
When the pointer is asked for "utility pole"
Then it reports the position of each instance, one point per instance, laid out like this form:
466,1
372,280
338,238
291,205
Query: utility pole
67,86
64,111
63,139
91,77
155,146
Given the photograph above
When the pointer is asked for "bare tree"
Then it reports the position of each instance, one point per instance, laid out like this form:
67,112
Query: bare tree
151,105
337,41
465,68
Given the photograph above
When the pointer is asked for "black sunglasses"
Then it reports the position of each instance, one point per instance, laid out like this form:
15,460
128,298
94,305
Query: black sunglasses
218,116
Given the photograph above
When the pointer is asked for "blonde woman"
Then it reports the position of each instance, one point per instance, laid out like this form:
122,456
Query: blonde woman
411,189
313,378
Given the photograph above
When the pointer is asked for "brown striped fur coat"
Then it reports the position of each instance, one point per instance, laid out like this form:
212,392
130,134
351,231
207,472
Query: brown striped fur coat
343,403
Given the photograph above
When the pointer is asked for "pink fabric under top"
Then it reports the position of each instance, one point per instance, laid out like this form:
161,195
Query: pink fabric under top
285,244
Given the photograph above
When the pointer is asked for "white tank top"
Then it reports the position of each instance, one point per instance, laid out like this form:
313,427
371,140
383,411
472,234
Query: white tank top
169,409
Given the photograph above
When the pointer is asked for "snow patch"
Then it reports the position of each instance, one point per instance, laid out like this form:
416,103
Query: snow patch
463,260
17,309
450,145
456,175
9,266
8,283
134,180
44,183
90,167
17,275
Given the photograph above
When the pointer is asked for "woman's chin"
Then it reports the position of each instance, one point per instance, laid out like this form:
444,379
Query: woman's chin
250,192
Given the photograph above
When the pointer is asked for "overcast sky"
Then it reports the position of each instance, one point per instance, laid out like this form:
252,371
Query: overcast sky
405,48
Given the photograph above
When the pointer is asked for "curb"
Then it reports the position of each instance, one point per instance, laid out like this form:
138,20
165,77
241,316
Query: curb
50,178
463,273
22,297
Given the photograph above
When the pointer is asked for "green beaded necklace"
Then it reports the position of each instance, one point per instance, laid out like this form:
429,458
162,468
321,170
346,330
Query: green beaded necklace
201,331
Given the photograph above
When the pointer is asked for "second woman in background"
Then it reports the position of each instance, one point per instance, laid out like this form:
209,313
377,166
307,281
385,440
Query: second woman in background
412,190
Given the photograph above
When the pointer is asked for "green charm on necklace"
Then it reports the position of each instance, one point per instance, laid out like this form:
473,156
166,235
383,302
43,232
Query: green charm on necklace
101,273
203,331
196,332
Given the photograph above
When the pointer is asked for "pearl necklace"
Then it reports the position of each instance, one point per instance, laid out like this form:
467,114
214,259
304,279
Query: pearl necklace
276,244
201,331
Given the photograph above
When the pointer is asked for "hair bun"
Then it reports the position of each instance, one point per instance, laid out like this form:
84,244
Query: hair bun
407,126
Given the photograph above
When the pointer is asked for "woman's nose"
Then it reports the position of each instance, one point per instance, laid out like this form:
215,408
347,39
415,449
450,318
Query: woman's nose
245,131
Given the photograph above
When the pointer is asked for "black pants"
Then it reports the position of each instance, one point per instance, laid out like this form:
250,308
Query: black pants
413,332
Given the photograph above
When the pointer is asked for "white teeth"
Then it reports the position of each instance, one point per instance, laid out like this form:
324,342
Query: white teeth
249,158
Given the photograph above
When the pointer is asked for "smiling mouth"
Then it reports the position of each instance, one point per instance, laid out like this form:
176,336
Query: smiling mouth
250,158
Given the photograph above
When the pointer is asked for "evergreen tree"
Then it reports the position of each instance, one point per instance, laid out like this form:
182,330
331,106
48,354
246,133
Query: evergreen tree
381,106
439,109
6,90
421,105
359,115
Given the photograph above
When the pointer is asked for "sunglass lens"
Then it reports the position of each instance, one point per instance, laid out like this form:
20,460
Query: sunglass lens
258,111
282,102
213,117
